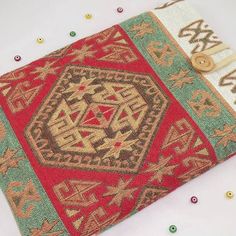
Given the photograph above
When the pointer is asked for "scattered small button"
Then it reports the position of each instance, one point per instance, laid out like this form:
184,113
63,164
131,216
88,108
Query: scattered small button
40,40
194,199
88,16
173,229
229,194
17,58
72,33
120,9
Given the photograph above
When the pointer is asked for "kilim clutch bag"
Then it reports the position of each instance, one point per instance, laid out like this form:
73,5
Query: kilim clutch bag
100,129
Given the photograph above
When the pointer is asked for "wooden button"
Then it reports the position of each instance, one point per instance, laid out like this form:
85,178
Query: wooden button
202,62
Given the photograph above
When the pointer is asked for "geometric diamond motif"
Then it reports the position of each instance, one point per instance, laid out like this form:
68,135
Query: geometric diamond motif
97,119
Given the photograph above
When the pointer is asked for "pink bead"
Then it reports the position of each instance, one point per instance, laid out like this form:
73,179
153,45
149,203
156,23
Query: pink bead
194,199
120,9
17,58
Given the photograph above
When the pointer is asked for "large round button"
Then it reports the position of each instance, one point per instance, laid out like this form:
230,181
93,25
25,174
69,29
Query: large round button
202,62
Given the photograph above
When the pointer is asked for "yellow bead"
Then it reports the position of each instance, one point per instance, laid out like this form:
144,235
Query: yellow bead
229,194
40,40
88,16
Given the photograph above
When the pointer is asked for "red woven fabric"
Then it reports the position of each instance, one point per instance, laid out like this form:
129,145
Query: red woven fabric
147,147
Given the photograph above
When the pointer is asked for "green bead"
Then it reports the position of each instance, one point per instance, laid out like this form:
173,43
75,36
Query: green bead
72,34
173,229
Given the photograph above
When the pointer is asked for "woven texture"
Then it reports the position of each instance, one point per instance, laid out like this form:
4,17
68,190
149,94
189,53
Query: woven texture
100,129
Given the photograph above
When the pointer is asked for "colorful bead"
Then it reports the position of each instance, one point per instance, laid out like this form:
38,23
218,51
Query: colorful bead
72,33
173,229
88,16
120,9
17,58
229,194
40,40
194,199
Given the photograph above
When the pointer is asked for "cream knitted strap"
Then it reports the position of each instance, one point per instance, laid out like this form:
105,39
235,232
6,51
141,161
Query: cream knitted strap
219,48
226,61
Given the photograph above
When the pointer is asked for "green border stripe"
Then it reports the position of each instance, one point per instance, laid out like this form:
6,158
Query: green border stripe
22,174
207,124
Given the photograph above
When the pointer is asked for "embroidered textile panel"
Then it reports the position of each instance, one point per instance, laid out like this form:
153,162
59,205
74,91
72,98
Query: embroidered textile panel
94,132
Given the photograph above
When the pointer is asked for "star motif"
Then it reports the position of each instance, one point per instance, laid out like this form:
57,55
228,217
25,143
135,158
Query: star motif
181,79
80,89
120,192
227,134
44,71
142,29
117,144
46,229
161,168
81,54
9,160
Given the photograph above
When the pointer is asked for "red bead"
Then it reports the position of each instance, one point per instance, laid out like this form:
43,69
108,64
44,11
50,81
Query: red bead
194,200
120,9
17,58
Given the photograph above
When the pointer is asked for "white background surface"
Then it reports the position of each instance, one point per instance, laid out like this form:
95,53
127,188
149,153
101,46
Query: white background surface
22,21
